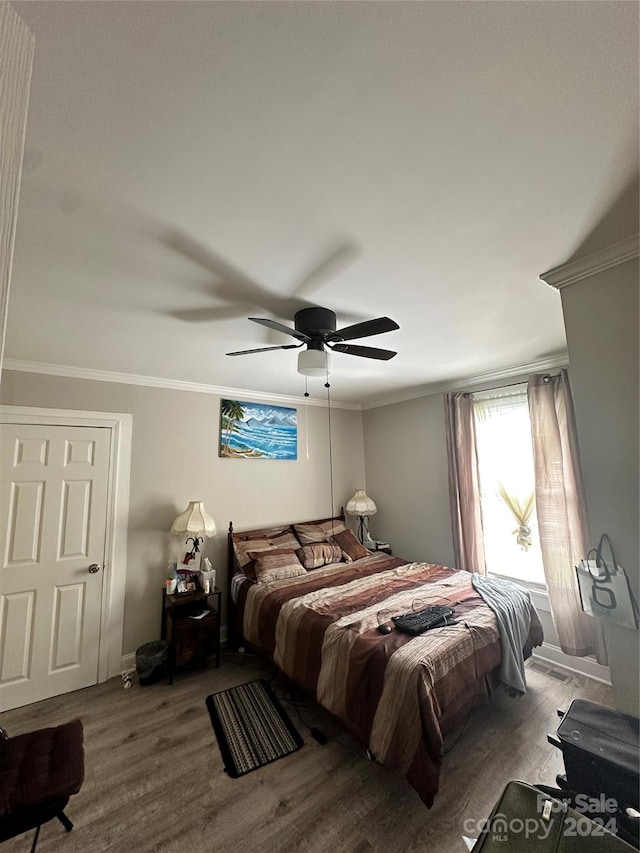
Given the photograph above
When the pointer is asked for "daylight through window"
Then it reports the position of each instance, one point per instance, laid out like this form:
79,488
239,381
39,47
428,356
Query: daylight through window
507,486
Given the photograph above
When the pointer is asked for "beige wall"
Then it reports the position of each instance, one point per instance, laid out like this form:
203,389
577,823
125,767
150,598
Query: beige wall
406,463
601,320
175,459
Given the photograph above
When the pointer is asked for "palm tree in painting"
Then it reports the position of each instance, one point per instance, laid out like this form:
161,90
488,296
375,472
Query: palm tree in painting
231,412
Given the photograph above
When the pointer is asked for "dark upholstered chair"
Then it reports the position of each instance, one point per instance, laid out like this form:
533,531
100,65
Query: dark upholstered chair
39,771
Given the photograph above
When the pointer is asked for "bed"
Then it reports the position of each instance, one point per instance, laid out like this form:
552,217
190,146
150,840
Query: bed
318,622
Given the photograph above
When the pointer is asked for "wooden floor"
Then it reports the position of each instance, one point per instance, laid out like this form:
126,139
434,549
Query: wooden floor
155,780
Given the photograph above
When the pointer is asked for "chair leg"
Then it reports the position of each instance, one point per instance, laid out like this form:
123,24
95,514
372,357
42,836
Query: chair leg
64,820
35,839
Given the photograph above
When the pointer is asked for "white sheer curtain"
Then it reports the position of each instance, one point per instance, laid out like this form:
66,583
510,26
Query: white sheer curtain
464,484
561,510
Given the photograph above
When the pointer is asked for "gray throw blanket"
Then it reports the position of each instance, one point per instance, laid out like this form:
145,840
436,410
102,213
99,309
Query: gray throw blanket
512,607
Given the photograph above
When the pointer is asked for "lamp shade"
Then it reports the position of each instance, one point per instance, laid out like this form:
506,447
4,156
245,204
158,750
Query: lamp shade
194,521
361,504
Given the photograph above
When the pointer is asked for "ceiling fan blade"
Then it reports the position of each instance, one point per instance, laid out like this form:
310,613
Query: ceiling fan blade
329,267
280,327
264,349
364,352
364,330
211,315
229,283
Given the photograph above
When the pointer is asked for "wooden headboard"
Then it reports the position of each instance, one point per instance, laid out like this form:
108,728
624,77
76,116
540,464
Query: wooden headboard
259,533
265,533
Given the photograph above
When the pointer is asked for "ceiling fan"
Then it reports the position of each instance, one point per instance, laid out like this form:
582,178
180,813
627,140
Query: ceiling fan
316,328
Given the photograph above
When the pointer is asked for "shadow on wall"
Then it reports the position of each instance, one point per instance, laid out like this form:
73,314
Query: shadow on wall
620,220
156,516
152,524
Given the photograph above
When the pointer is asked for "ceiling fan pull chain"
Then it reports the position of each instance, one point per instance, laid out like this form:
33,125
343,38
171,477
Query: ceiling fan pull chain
306,431
328,387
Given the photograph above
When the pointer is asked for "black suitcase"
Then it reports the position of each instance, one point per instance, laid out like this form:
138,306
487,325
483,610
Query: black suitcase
601,751
524,819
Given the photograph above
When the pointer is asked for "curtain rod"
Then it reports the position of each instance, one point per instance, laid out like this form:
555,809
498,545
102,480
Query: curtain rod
547,377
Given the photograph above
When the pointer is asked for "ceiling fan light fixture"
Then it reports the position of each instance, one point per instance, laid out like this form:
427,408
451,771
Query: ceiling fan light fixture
314,362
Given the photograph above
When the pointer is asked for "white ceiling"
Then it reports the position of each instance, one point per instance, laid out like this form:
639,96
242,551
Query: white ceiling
188,165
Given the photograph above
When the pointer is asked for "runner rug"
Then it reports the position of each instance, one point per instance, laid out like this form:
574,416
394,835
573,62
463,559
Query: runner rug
251,727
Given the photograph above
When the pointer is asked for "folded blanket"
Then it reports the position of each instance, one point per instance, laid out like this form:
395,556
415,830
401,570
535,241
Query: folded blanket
512,607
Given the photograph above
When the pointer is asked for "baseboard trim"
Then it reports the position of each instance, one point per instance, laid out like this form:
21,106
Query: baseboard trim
128,663
553,656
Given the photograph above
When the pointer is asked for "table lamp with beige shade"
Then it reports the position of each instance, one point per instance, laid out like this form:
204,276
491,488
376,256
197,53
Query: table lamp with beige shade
196,524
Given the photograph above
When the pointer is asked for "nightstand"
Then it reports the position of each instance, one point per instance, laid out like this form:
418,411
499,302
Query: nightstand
191,640
384,547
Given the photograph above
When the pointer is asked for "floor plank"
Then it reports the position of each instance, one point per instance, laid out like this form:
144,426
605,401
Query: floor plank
155,780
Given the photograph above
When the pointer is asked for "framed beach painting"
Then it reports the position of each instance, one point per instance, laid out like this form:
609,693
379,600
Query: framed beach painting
257,431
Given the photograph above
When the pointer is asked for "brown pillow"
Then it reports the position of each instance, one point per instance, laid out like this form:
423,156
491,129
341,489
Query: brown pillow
318,554
321,532
242,547
310,533
350,545
277,565
332,526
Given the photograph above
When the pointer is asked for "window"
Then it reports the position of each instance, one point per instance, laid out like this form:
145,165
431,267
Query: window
507,486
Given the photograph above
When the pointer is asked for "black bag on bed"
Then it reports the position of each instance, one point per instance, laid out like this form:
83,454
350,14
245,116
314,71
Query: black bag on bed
416,623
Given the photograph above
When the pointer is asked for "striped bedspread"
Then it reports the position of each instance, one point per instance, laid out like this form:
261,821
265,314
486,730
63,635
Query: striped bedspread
400,694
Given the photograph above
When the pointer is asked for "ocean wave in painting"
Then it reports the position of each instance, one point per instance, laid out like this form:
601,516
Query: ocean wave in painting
268,432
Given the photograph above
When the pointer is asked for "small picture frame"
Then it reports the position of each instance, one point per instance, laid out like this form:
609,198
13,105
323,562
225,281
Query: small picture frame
189,586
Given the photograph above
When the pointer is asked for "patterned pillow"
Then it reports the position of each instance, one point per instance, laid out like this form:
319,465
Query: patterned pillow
309,533
318,554
322,532
277,565
242,547
351,546
333,526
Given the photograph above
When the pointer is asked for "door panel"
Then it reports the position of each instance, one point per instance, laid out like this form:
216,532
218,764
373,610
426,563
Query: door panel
16,618
24,523
67,626
74,519
53,506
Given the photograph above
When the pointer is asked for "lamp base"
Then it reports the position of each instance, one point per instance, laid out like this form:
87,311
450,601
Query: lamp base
363,531
191,555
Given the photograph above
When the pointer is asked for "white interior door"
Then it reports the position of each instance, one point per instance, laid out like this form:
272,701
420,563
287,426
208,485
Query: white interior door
53,511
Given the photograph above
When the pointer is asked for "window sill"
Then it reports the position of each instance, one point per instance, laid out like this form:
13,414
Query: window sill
539,592
537,586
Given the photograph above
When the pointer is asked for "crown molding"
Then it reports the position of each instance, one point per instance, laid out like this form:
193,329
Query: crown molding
575,270
478,382
69,372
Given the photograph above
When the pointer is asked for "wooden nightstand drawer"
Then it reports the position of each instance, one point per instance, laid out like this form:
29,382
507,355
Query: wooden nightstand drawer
195,639
192,637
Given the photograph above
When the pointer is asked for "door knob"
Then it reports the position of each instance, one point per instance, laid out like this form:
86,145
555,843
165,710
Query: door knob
93,568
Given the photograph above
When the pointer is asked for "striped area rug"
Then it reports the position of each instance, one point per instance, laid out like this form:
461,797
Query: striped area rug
251,726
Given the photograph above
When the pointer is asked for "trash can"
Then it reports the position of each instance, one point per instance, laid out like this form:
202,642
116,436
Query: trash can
150,662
